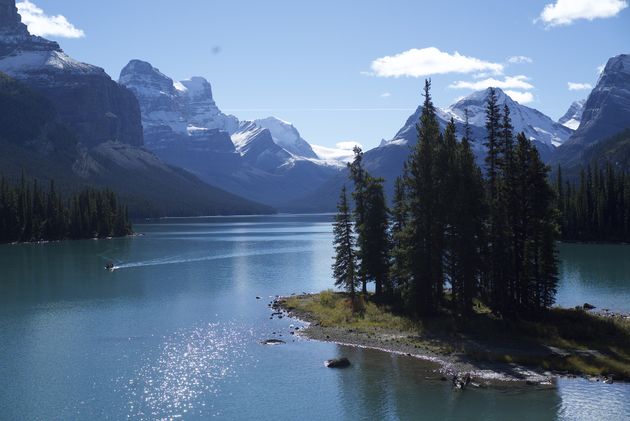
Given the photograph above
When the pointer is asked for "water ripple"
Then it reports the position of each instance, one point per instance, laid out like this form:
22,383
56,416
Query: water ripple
190,369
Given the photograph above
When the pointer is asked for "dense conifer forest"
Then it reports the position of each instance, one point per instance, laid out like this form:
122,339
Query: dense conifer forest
597,207
29,212
454,235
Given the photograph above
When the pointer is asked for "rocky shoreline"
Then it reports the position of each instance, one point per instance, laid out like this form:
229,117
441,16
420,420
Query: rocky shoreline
450,366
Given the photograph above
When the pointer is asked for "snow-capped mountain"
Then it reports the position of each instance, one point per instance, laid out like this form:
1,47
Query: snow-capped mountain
95,107
388,159
258,148
173,109
79,127
541,129
265,160
573,116
536,125
287,136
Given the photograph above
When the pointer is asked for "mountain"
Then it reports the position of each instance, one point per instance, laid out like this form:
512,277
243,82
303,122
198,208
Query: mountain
388,159
264,160
95,107
69,121
545,133
606,111
614,150
258,148
286,135
573,116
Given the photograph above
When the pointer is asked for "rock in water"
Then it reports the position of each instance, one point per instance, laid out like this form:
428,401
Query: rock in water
337,363
460,381
273,342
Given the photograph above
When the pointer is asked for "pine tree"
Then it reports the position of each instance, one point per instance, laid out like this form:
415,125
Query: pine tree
375,252
359,177
467,228
399,269
425,257
345,265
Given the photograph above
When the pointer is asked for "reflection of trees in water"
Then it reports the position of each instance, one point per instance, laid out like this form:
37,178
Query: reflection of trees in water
607,265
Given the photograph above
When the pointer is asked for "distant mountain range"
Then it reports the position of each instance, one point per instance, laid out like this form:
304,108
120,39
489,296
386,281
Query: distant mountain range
265,160
69,121
163,144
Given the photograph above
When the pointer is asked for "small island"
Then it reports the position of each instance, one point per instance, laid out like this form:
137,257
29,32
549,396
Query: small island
568,342
463,267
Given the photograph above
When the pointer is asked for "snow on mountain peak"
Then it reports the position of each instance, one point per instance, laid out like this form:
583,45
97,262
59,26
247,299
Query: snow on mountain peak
186,107
197,87
25,56
573,116
287,136
532,122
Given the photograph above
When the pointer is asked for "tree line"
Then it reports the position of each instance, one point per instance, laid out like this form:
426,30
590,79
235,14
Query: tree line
30,213
454,234
597,207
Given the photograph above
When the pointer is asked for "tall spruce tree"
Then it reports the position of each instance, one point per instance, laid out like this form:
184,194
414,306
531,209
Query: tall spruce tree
425,255
399,269
466,227
359,177
345,265
375,252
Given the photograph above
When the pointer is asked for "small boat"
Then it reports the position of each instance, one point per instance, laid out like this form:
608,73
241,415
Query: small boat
109,266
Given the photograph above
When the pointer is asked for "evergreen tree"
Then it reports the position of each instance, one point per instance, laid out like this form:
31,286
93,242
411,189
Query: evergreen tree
467,228
359,177
375,252
399,270
345,265
28,213
425,255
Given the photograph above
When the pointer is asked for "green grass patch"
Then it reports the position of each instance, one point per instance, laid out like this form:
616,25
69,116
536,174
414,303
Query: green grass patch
568,340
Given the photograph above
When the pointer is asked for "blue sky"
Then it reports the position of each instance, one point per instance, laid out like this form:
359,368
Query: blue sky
350,70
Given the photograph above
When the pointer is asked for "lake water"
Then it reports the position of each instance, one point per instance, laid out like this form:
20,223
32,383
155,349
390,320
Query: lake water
175,332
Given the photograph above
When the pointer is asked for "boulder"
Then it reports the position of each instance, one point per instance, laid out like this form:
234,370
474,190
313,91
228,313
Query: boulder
273,342
337,363
588,306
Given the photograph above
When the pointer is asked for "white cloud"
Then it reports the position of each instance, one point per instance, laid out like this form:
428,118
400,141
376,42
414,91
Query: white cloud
573,86
386,95
565,12
430,61
44,25
520,97
508,82
348,146
520,59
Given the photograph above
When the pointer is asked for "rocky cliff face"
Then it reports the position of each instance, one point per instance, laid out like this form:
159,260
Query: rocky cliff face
172,111
95,107
606,111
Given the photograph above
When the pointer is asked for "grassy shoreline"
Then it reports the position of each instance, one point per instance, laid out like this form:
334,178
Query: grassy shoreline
561,342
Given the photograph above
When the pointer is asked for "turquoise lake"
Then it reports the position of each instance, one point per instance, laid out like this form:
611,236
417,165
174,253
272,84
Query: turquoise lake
175,332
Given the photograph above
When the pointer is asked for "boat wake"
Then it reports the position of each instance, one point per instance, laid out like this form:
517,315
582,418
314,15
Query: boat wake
172,260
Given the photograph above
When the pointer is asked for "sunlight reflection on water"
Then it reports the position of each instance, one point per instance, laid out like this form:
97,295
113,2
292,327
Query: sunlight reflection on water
189,369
